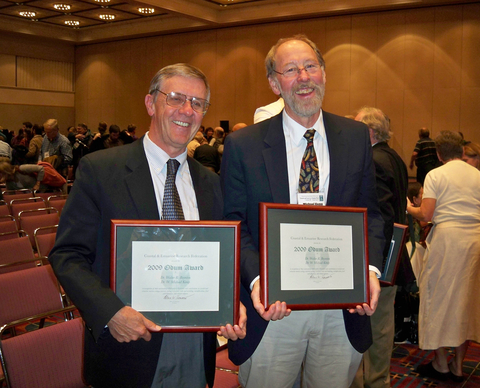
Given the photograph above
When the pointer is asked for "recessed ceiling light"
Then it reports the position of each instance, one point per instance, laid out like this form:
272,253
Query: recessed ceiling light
102,1
62,7
27,14
146,11
107,16
73,23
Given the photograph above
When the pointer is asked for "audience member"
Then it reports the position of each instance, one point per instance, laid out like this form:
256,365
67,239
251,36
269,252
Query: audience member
424,155
56,148
267,111
257,167
208,157
28,176
238,126
217,139
391,184
450,280
471,154
113,139
35,145
128,135
82,141
122,347
5,149
17,140
102,129
208,134
197,141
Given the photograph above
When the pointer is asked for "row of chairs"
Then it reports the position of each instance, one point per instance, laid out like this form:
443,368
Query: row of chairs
46,357
29,292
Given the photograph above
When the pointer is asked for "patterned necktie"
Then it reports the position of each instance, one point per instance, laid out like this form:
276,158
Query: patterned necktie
172,207
308,181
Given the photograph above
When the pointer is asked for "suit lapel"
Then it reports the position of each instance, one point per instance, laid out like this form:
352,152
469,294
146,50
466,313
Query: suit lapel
336,148
275,158
139,183
204,198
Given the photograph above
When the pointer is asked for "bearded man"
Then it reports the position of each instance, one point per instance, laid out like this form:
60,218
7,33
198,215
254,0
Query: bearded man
262,163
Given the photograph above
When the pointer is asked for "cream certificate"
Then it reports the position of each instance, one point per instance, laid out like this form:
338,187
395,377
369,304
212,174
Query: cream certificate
316,257
175,276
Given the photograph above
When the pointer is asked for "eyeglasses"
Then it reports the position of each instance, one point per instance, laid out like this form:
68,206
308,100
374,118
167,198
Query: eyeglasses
294,71
178,99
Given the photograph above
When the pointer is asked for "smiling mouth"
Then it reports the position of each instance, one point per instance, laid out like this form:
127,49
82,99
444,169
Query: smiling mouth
181,123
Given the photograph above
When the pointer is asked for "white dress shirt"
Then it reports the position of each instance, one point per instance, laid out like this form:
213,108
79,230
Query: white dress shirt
296,144
157,161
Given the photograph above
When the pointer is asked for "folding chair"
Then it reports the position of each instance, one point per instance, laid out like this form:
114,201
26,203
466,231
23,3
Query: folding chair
7,225
51,357
16,254
45,196
10,195
57,201
29,293
19,205
5,209
45,239
31,220
226,374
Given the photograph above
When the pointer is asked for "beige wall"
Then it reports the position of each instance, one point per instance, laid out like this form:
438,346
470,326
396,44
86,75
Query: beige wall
419,66
24,104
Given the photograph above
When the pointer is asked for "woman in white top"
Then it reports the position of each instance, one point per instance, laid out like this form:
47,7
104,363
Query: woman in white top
449,281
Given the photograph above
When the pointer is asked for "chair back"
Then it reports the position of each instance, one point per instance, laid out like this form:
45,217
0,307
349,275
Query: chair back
28,293
45,239
57,201
16,250
7,224
10,195
31,220
4,209
50,357
19,205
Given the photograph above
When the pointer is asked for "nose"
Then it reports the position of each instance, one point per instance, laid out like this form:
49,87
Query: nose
302,73
186,108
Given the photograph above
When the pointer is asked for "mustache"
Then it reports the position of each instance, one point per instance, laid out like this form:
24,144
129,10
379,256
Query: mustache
306,85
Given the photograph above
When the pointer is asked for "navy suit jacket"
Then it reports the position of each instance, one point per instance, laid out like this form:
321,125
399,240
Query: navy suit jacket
116,184
254,170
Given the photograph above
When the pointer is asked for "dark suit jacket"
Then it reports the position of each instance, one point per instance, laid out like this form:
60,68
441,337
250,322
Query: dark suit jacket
116,184
254,169
392,185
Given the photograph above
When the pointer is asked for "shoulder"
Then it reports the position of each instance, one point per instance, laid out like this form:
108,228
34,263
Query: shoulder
257,132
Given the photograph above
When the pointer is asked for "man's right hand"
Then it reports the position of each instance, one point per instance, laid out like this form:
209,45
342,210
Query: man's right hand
276,311
129,325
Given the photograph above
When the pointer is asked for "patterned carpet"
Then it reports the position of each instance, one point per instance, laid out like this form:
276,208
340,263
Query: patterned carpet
405,358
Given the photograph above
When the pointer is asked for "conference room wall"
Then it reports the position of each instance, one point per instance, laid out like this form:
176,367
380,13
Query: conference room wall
420,66
19,104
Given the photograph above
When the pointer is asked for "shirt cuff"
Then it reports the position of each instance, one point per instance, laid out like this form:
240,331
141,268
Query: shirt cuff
375,269
253,282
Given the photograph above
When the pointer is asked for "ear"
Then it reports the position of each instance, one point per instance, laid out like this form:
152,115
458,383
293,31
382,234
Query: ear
274,85
150,104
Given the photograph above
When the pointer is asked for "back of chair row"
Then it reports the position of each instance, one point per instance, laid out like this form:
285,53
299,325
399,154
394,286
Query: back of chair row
50,357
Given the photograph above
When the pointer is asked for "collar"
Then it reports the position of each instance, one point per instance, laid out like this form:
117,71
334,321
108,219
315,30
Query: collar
297,130
158,158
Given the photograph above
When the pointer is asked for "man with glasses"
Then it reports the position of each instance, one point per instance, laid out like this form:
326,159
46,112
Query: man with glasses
267,162
150,179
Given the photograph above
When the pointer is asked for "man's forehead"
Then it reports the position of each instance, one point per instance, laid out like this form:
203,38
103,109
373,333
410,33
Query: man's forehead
294,50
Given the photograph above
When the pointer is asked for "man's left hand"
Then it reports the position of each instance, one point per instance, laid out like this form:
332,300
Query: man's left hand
365,308
237,331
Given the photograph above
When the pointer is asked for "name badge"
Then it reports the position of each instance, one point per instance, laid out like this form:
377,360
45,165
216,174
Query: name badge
311,198
46,154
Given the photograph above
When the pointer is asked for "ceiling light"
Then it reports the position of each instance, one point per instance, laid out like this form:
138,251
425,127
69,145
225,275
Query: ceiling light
102,1
146,11
107,16
73,23
27,14
62,7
